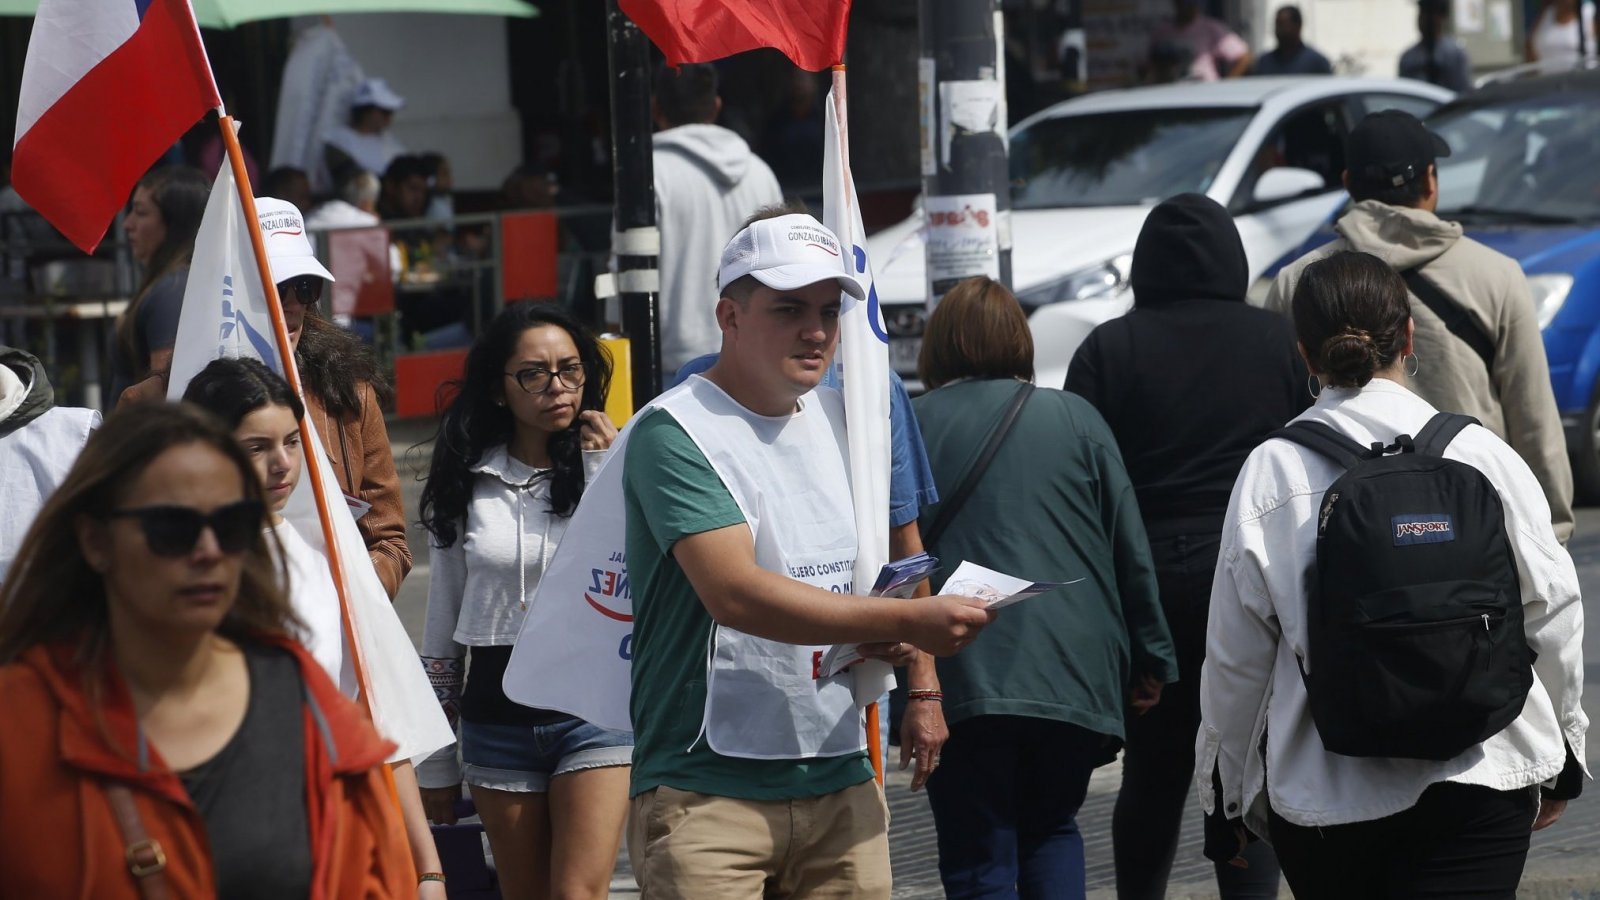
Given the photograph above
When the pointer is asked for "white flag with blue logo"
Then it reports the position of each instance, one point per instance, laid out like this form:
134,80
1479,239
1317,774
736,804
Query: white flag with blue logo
863,358
225,314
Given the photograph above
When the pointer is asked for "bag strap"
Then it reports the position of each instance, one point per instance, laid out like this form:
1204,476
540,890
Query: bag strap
1440,431
1450,312
144,856
969,481
1320,438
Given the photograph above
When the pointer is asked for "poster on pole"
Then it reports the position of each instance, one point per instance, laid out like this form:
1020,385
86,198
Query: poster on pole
963,241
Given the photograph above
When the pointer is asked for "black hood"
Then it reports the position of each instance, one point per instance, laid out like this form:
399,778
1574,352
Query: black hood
1188,249
40,396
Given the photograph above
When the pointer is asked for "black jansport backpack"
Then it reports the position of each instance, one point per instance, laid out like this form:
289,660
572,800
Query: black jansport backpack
1414,616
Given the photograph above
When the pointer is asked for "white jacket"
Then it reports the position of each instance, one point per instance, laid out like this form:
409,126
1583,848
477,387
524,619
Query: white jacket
1257,635
707,183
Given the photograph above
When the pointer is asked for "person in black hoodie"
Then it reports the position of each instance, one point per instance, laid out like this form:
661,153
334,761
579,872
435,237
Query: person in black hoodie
1190,381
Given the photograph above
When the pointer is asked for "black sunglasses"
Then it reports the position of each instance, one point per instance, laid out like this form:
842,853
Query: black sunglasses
174,530
307,289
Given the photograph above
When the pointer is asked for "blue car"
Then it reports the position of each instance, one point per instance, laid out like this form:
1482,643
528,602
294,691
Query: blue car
1524,178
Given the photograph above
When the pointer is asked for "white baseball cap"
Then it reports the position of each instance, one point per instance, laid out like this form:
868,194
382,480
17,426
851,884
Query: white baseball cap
376,92
785,253
288,249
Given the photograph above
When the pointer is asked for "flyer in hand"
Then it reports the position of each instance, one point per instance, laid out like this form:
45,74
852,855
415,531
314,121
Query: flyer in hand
896,579
996,589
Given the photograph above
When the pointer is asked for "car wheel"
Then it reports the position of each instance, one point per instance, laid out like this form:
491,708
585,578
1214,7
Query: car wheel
1586,457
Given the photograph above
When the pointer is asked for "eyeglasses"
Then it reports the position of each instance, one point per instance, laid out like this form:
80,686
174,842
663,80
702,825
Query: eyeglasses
307,289
174,530
537,381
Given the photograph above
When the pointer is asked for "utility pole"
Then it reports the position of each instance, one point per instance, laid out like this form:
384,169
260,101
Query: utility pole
965,176
637,242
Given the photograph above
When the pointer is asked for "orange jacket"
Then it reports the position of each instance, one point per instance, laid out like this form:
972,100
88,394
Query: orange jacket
358,448
59,838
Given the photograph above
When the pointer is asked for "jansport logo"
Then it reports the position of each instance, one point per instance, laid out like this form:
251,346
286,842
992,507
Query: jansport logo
1426,528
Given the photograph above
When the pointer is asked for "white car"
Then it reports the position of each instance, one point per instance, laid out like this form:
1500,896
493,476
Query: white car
1086,172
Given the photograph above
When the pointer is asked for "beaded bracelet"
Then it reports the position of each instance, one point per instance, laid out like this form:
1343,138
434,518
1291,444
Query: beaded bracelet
925,694
430,876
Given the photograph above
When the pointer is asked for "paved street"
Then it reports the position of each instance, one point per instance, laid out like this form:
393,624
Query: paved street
1563,865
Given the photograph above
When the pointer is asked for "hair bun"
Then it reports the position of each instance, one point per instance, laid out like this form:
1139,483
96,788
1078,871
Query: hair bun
1351,356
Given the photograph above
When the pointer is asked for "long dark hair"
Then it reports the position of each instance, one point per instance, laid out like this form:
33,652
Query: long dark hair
232,388
473,422
333,363
180,194
52,594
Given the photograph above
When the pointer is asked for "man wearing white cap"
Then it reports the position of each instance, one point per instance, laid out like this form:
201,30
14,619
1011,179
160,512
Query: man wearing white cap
365,145
750,776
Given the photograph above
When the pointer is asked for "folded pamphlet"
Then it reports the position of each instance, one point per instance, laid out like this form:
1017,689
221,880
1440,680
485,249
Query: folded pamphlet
896,579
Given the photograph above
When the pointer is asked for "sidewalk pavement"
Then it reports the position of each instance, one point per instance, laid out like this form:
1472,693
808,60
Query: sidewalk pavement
1564,863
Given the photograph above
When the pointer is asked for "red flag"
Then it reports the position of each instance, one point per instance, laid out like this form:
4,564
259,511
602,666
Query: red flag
108,85
810,32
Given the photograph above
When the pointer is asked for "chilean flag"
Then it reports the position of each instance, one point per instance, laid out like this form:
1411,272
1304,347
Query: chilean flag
809,32
108,86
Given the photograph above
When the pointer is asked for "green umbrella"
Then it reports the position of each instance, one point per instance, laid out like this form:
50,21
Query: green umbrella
231,13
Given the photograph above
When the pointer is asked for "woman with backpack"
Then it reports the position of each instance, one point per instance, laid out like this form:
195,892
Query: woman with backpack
1394,657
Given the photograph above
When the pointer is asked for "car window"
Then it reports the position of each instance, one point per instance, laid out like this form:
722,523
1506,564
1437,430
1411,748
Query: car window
1521,158
1366,104
1129,158
1308,138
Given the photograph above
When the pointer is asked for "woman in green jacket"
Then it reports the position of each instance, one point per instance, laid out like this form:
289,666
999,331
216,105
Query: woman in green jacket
1041,701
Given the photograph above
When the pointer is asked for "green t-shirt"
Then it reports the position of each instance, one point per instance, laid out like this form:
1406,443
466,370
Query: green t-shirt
672,492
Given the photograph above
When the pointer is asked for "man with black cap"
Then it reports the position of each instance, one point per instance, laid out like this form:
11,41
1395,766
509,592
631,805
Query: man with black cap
1478,346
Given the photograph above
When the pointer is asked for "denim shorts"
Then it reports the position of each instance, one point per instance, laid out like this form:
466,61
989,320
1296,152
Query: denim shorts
524,758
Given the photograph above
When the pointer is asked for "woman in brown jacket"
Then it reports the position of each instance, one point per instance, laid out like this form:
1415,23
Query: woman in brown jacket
345,395
163,729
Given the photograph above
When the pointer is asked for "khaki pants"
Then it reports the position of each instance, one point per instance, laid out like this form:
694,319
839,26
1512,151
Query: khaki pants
701,847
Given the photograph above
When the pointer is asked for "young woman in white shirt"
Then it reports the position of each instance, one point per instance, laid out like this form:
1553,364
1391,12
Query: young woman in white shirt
265,415
1345,826
524,434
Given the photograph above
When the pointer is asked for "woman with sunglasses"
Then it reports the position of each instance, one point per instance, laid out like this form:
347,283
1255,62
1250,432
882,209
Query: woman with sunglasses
515,448
265,414
344,392
165,733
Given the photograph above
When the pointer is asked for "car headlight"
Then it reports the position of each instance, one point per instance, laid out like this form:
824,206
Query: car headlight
1549,292
1085,284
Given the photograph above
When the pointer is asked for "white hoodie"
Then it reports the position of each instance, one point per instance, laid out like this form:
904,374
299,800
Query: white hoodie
707,183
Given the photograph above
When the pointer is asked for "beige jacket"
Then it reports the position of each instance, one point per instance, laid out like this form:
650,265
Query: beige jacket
1515,401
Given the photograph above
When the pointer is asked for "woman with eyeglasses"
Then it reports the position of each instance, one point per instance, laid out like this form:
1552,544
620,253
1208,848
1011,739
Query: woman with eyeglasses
265,415
345,393
165,734
516,446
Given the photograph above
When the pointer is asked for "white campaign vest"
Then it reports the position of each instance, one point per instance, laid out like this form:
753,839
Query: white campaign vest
790,477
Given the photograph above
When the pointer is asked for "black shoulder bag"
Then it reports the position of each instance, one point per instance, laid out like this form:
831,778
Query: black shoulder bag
969,481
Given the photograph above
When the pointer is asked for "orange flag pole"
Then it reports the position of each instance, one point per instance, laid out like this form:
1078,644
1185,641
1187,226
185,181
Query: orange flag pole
280,330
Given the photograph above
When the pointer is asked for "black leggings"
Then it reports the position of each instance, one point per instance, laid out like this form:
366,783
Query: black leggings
1459,841
1158,763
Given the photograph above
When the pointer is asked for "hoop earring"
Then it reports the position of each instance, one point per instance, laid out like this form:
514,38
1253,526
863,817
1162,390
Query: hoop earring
1313,386
1415,365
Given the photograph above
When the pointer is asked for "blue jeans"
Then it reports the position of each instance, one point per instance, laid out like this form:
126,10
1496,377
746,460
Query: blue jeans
1005,800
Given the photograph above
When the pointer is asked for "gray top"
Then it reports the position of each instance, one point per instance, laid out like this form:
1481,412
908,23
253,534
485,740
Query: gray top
1304,61
155,327
1446,65
252,794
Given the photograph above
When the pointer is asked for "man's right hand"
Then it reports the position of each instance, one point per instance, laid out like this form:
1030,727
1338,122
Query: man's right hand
943,625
